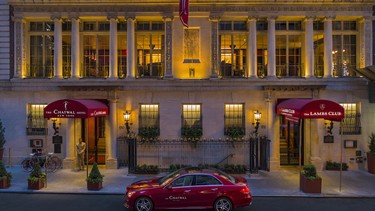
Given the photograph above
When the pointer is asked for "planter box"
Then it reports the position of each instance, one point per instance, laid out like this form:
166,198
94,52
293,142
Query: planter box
4,183
371,163
35,185
94,186
310,186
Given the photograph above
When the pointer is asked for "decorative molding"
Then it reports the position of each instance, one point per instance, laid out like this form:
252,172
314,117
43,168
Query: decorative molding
194,8
293,87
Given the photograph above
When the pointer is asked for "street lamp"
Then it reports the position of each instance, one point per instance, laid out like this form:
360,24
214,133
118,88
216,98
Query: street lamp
127,119
257,117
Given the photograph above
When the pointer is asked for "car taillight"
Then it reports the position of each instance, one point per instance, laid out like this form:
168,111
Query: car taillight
245,190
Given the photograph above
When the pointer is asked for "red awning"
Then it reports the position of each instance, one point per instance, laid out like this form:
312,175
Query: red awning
295,109
68,108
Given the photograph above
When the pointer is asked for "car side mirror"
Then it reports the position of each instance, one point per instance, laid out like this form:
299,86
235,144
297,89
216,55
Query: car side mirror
169,187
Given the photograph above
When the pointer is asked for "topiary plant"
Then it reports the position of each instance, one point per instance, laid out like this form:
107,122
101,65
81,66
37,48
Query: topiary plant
309,171
3,172
2,135
95,176
372,144
36,174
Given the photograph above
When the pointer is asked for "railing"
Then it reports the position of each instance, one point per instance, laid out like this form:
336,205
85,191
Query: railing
253,153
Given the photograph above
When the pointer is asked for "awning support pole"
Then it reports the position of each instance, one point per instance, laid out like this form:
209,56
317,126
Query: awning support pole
341,145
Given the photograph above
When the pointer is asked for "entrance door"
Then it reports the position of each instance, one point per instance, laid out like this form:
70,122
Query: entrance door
289,142
96,139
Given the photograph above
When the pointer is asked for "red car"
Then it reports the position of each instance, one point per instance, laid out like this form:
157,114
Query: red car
189,188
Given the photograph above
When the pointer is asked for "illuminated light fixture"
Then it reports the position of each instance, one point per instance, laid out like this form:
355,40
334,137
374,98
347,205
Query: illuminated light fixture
127,119
257,117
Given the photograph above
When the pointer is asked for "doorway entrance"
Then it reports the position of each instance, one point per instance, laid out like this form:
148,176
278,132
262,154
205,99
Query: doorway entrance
95,128
289,142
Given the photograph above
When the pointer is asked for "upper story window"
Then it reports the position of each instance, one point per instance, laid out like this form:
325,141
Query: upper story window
318,25
150,49
289,42
95,44
352,120
42,26
344,52
36,123
262,25
149,126
233,44
344,25
41,50
150,26
288,25
233,26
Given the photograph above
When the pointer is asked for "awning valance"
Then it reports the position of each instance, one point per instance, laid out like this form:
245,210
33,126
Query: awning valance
68,108
295,109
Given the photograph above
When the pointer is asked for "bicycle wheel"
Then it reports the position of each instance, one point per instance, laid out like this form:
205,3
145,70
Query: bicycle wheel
58,161
27,164
50,165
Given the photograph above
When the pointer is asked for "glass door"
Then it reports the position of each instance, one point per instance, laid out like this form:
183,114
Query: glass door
289,142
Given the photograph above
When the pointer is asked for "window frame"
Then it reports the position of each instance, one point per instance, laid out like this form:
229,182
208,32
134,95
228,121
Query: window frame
36,124
351,125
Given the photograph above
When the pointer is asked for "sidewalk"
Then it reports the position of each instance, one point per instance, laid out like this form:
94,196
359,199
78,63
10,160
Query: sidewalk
284,182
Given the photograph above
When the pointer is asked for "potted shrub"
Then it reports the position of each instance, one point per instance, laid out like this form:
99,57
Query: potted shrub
5,177
371,155
37,178
95,179
336,166
2,140
310,182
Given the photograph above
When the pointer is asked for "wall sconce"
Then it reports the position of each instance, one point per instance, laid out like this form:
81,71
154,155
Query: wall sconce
329,128
257,117
127,119
54,120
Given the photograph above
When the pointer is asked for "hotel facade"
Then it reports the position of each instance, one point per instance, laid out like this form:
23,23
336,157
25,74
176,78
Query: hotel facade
74,70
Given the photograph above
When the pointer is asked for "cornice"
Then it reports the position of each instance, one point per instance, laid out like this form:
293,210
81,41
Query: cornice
198,8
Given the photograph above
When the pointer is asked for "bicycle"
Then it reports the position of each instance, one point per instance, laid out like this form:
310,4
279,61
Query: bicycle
48,162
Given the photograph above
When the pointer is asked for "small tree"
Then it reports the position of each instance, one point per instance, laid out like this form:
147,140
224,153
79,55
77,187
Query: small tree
309,171
36,174
2,135
372,144
3,172
95,176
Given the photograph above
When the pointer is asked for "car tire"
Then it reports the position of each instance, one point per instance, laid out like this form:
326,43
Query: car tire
223,204
143,204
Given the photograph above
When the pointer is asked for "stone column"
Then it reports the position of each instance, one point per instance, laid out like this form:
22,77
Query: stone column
215,48
131,58
272,132
111,142
271,66
251,53
313,142
70,154
168,20
366,42
19,54
76,69
328,47
309,47
57,47
113,64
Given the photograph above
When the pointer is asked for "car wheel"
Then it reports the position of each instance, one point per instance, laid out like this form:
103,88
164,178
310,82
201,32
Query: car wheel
143,204
223,204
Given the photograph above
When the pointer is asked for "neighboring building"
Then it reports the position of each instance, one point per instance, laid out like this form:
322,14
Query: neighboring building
234,58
